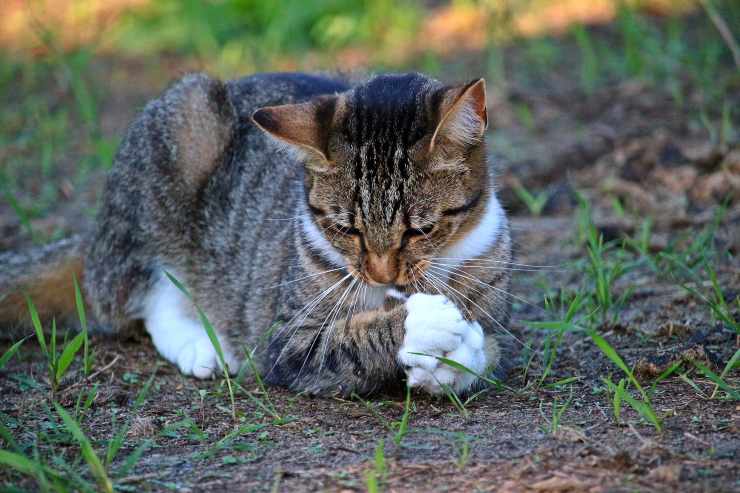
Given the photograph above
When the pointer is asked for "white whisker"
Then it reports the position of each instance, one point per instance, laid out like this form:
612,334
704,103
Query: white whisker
294,323
335,309
348,319
500,325
484,260
305,277
443,285
496,288
332,327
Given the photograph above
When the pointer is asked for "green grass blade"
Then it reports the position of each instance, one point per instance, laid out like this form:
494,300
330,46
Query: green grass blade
732,392
36,322
133,458
731,364
210,331
68,355
211,336
403,425
562,382
459,366
455,400
24,465
53,344
618,398
612,354
666,373
144,392
22,216
7,435
644,410
555,326
369,406
263,388
18,462
96,467
10,352
80,304
115,443
371,482
380,467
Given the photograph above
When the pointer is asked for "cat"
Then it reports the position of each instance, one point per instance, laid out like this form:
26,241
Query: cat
351,232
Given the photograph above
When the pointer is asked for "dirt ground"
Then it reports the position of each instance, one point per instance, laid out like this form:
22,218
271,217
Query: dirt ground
627,142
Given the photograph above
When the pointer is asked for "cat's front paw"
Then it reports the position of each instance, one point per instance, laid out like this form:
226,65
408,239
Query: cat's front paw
198,357
435,327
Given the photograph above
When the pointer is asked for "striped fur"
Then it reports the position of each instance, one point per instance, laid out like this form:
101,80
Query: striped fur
308,255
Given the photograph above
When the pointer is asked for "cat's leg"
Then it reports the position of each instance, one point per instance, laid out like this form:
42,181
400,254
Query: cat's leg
179,336
152,196
434,328
375,348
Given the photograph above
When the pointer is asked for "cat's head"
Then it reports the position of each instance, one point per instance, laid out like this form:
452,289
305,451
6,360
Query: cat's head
396,170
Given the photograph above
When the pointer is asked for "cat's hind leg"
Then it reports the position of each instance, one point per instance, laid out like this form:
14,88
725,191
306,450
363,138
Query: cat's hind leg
179,336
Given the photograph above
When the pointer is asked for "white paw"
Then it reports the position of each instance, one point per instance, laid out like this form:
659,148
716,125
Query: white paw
179,337
435,327
198,357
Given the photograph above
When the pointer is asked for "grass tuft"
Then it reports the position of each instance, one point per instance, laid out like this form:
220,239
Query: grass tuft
96,467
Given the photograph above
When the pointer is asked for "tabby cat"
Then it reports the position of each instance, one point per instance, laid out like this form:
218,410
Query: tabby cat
350,232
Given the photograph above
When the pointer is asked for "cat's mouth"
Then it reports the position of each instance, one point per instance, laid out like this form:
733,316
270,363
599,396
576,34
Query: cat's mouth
403,280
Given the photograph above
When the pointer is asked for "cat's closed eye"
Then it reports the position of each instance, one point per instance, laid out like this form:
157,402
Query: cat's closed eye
417,233
346,230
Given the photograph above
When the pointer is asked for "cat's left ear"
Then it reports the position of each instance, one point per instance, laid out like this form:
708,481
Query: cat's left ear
464,117
306,126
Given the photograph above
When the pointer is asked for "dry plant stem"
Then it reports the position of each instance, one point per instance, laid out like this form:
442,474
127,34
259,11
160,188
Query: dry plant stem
92,375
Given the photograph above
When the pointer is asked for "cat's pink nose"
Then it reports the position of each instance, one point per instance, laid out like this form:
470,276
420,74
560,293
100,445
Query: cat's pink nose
382,269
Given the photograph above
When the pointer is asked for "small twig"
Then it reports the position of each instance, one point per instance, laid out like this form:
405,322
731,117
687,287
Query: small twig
346,449
696,438
277,479
724,30
639,437
602,411
92,375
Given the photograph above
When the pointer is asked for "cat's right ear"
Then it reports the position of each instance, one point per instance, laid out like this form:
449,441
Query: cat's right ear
305,126
463,115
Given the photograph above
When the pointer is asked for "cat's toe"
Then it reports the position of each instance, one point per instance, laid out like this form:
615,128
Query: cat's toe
199,359
435,328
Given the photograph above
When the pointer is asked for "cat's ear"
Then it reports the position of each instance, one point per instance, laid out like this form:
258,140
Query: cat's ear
305,126
463,113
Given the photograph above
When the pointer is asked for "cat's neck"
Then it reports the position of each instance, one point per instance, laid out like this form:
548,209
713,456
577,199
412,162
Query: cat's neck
482,237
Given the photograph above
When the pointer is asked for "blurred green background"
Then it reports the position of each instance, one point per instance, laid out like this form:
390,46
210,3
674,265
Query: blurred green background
74,72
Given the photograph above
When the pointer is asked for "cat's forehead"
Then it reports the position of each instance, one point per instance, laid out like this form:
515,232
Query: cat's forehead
383,119
388,110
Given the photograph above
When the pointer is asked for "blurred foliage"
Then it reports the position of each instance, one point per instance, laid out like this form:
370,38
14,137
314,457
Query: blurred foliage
254,32
52,136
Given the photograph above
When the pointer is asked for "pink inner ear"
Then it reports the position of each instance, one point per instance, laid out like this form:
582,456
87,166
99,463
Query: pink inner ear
477,94
466,117
293,123
305,125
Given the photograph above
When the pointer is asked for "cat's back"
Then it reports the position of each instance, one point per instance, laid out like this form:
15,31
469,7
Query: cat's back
270,89
249,204
255,174
254,167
